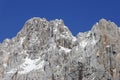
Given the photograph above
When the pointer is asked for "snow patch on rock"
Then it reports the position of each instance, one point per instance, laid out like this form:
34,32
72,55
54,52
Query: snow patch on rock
65,49
28,66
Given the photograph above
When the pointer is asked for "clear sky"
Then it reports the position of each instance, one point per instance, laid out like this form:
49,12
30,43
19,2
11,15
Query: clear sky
78,15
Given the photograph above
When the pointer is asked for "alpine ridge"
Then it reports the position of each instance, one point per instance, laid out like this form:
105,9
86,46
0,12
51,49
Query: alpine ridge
47,50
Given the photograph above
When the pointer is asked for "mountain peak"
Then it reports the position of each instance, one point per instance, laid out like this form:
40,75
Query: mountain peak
105,26
103,20
40,24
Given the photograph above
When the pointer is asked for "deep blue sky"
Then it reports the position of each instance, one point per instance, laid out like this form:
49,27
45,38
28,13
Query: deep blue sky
78,15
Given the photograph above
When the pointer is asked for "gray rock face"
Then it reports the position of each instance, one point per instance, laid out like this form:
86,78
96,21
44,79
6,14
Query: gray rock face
47,50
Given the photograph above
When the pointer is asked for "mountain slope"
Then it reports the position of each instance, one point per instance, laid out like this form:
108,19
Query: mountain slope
47,50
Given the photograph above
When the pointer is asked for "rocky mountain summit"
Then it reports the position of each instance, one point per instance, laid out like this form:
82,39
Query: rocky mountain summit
47,50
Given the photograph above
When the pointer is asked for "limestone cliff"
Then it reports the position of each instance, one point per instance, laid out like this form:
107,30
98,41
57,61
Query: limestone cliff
47,50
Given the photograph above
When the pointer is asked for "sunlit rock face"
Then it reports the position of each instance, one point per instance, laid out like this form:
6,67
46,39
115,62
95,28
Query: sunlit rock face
47,50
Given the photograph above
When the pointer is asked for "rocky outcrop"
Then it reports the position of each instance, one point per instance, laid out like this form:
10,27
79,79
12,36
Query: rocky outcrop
47,50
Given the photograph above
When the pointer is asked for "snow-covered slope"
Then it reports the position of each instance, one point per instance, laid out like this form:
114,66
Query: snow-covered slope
47,50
